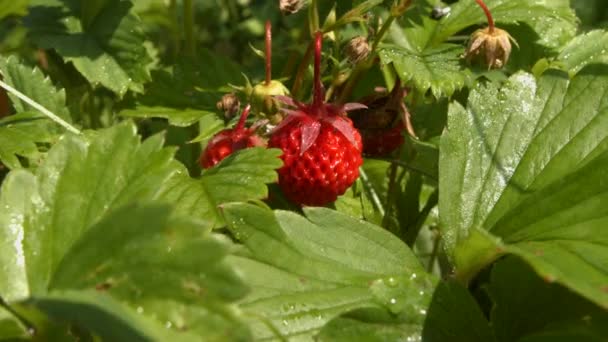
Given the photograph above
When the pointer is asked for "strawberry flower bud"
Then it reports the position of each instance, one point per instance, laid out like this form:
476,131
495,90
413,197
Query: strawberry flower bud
492,46
229,104
290,6
357,50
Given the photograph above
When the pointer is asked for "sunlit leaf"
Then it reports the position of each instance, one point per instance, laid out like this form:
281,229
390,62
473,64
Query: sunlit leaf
527,163
305,271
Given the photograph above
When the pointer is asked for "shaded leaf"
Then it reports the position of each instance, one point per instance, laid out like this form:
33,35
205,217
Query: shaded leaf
102,39
305,271
348,329
176,117
526,306
98,313
455,316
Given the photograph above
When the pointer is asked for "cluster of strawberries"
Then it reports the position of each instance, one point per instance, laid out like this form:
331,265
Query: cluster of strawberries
322,148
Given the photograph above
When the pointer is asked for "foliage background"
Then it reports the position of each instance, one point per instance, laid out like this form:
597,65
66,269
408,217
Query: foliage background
490,227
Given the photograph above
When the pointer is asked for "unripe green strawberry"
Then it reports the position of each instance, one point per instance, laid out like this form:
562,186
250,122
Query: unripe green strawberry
264,102
321,148
229,140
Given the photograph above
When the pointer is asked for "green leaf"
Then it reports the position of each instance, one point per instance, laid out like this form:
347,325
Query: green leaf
191,84
583,50
527,163
554,21
103,40
242,176
10,326
176,117
35,85
98,313
19,134
422,57
525,305
438,69
305,271
455,316
12,7
73,225
348,329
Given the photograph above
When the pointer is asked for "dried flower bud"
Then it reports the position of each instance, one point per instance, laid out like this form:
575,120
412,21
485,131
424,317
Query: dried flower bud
229,104
493,46
290,6
357,49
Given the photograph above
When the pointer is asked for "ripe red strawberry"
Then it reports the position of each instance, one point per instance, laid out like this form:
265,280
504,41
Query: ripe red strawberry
230,140
382,124
321,147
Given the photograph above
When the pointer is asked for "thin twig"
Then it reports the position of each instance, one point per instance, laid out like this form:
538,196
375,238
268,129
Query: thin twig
372,192
39,107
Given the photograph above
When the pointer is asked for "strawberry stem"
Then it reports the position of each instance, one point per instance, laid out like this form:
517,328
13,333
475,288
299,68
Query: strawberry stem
241,124
486,10
317,99
268,52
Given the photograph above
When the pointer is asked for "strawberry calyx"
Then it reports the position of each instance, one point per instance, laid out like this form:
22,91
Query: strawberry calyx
310,116
239,134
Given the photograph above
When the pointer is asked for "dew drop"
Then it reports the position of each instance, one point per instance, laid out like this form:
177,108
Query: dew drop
392,282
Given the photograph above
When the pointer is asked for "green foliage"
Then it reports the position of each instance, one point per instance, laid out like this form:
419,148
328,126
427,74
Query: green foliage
103,40
19,133
304,271
487,226
524,162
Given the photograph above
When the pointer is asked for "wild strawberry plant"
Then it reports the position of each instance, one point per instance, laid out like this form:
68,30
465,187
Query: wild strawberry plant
373,170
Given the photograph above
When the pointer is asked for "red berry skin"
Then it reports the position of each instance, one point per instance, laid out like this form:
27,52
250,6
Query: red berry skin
325,170
224,144
229,140
381,142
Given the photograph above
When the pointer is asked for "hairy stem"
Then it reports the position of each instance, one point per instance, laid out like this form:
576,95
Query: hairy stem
318,86
486,10
268,52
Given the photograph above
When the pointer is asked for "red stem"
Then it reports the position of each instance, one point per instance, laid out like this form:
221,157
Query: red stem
486,10
318,96
241,124
268,52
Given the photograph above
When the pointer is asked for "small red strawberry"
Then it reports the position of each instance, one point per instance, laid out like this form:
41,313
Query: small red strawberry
382,124
230,140
321,147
